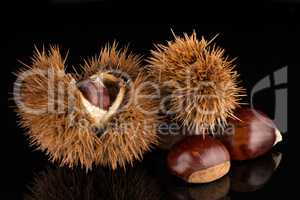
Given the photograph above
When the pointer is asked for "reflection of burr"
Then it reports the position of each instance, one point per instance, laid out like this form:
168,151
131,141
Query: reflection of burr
248,176
198,80
100,183
101,116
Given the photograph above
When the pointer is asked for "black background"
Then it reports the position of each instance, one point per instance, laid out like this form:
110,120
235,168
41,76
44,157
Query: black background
262,35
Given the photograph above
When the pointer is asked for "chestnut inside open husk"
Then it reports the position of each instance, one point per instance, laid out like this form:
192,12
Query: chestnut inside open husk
95,93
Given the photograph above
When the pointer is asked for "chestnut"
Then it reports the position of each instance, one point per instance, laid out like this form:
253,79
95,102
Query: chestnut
95,92
253,134
199,159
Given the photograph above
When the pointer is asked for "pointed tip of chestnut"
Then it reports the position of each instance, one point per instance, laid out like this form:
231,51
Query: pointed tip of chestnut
254,134
199,160
96,93
278,137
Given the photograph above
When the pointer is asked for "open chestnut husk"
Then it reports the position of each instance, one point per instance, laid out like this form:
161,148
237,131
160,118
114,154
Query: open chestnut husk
253,134
198,159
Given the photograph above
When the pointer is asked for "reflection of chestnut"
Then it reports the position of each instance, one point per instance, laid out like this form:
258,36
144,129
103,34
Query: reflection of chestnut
251,175
210,191
253,135
198,159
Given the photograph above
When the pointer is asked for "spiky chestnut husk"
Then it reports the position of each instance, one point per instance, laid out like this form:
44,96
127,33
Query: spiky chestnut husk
67,132
63,183
200,81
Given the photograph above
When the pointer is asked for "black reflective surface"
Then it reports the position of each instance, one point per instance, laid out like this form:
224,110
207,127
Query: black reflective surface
150,180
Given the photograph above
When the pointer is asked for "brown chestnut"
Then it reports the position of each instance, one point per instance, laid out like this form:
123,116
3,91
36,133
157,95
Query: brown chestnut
253,134
198,159
96,93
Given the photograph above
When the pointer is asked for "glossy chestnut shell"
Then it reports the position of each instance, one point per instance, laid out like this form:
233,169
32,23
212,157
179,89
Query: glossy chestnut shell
95,93
198,159
253,134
